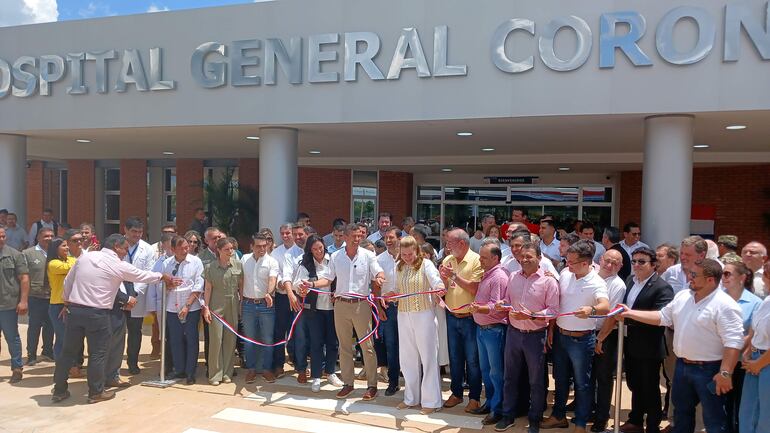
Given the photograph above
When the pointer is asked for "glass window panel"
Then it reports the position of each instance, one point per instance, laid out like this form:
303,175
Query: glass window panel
170,208
110,229
430,215
565,216
363,210
460,216
472,193
597,194
429,193
112,207
544,194
170,180
501,213
112,179
601,217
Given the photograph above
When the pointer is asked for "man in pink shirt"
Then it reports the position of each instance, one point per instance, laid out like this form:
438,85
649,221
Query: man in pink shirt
89,292
490,336
529,292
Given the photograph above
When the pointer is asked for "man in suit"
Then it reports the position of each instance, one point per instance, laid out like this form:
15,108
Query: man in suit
611,241
645,346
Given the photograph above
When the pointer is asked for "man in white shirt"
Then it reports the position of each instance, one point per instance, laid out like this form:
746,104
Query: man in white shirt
354,268
383,222
338,222
389,328
260,278
282,305
605,357
754,255
15,236
693,249
511,263
631,235
336,239
707,342
549,245
583,291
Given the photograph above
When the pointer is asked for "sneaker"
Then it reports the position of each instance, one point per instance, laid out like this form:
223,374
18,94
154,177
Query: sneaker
533,427
315,386
226,379
491,419
30,362
334,380
16,375
345,391
46,358
504,424
214,382
60,397
104,396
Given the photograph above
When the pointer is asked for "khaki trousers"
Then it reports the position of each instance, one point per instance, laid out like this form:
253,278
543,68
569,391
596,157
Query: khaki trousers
222,342
347,317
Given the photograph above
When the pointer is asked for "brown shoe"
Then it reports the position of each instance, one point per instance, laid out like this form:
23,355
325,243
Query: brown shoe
279,373
251,376
370,393
268,376
452,401
627,427
553,422
104,396
16,375
345,391
302,377
75,373
472,405
118,384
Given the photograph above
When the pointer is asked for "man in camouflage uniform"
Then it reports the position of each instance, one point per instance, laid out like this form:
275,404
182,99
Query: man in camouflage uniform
14,290
728,247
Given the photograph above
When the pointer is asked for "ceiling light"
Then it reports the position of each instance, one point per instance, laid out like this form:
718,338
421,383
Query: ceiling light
488,149
314,152
83,140
701,146
735,127
464,134
168,153
563,168
252,137
446,170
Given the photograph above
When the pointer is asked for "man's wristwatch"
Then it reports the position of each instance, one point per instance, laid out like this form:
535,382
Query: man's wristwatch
593,311
726,374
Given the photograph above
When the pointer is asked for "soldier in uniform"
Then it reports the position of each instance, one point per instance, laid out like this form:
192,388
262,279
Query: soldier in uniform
14,291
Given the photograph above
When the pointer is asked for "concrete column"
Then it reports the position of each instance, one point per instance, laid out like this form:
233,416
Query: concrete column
277,176
13,176
156,204
667,179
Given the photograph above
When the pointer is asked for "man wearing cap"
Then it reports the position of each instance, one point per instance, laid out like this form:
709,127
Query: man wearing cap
727,244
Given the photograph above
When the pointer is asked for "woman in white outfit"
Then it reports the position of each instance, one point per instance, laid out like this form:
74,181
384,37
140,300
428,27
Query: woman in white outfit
418,329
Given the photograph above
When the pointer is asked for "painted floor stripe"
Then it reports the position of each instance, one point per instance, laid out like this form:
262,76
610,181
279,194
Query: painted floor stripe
295,423
357,407
291,381
198,430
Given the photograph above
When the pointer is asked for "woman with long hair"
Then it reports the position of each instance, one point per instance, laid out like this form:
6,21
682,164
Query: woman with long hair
224,284
318,313
59,263
194,239
418,328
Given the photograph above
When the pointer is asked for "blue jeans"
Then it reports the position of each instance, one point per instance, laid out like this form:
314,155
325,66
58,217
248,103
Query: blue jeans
58,328
491,342
323,341
258,323
463,356
283,318
9,325
39,321
524,358
690,388
389,332
184,341
754,414
573,356
301,342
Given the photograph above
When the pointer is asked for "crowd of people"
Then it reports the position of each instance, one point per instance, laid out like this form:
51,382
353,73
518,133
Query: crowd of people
491,311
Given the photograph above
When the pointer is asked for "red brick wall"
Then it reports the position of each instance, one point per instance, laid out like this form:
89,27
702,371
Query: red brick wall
81,183
189,191
133,189
324,194
737,193
395,194
34,192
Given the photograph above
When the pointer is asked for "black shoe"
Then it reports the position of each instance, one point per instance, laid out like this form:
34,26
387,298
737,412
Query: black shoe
392,389
30,362
533,427
190,381
504,424
60,397
491,419
599,426
134,369
483,410
570,406
179,376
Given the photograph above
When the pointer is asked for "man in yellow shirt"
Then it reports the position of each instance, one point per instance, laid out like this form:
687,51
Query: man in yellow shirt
462,272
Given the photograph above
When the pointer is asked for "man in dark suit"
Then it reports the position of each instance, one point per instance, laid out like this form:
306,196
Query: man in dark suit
645,346
611,241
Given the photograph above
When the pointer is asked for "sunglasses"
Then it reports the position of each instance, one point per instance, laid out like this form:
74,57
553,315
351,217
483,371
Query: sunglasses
640,262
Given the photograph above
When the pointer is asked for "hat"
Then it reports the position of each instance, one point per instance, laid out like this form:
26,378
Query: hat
730,241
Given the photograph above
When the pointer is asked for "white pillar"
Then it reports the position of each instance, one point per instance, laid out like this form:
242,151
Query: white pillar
277,177
13,176
667,179
156,204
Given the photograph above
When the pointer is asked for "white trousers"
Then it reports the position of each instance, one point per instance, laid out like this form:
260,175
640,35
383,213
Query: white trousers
418,347
443,344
